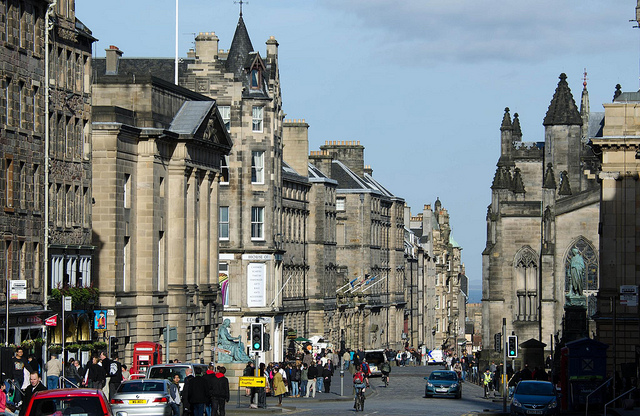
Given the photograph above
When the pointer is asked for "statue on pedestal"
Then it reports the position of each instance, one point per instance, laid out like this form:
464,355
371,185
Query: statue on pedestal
230,349
577,270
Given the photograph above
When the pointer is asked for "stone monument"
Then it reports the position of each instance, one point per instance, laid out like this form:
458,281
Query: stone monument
230,348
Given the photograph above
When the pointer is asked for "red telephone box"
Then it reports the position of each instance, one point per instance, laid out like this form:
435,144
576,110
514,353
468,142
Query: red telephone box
145,354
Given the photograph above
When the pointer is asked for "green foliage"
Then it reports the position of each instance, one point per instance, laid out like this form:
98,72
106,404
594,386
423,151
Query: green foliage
80,296
97,346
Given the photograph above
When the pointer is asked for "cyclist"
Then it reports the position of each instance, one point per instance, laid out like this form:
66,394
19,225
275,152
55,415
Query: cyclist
487,380
385,369
358,385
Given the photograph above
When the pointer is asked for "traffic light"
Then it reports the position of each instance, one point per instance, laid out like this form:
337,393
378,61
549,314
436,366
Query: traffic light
512,346
257,332
113,345
497,345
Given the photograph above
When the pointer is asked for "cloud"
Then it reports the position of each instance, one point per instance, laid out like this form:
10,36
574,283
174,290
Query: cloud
483,31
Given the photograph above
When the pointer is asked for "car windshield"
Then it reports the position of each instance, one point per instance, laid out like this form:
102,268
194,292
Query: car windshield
443,376
535,389
167,373
142,386
375,358
67,406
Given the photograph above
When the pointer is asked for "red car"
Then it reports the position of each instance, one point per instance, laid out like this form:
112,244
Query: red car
69,402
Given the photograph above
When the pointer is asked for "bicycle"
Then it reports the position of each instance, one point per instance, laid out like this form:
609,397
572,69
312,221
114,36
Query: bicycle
359,400
385,379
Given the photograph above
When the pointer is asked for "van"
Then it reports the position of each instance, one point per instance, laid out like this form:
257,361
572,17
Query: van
167,371
375,358
435,357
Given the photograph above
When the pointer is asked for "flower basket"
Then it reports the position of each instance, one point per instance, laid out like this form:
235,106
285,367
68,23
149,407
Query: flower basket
55,348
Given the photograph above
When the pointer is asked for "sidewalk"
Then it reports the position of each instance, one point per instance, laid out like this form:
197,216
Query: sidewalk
292,403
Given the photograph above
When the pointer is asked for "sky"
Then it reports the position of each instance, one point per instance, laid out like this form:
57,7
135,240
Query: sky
422,84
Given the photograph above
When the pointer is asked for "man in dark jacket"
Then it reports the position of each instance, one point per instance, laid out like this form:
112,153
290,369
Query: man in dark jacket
34,386
210,379
186,407
199,396
220,392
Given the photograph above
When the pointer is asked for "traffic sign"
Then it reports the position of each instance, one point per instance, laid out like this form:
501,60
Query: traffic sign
252,382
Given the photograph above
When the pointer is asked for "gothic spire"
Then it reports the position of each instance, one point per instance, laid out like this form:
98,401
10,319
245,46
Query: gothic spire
240,48
506,121
517,131
549,178
562,110
584,106
517,184
565,187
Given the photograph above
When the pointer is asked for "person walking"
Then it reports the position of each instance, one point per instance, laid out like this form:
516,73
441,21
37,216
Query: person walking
312,374
220,393
326,376
53,367
199,397
72,374
186,386
304,379
174,394
296,374
278,386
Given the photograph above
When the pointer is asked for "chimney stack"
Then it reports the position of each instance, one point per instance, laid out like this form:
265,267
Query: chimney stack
113,56
207,46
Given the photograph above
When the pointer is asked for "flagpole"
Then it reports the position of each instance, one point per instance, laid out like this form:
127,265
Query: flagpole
176,62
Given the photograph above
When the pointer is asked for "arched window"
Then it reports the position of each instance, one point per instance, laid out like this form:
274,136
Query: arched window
526,284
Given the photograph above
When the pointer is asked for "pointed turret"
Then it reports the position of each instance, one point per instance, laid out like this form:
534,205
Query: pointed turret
240,48
562,110
506,137
517,131
584,107
517,184
565,186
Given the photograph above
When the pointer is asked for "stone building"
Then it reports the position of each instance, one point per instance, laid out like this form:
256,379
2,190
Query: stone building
46,243
444,283
544,203
369,251
617,318
22,134
157,152
70,200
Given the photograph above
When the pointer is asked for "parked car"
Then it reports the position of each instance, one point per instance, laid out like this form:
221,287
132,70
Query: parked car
443,383
166,371
375,358
142,397
532,397
69,402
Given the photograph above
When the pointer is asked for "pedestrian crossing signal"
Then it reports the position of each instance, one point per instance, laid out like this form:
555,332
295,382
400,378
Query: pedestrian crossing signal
512,346
257,337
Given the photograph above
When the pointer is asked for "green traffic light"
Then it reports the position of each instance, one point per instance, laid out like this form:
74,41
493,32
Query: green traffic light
256,346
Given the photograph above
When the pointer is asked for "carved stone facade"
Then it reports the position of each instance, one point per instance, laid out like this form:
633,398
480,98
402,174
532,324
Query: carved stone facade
22,162
533,223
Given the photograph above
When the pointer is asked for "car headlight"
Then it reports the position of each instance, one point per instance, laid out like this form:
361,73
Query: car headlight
453,386
429,384
553,404
516,403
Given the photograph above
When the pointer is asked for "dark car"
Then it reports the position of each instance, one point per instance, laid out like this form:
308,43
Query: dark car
443,383
69,402
534,398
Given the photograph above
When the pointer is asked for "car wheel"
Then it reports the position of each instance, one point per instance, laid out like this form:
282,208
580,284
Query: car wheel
459,395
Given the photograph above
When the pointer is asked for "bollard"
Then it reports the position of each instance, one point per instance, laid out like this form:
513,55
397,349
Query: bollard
342,382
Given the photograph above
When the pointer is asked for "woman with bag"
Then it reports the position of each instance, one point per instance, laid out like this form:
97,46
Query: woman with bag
279,389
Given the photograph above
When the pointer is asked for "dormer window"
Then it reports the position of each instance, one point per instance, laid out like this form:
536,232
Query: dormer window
255,79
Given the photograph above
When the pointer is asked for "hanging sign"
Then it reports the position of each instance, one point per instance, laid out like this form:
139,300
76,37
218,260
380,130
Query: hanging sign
51,321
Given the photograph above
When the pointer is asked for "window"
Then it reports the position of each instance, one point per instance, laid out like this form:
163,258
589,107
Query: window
20,103
224,170
225,113
8,186
255,79
223,232
257,167
223,281
7,101
257,119
22,183
36,187
126,190
341,204
125,263
257,223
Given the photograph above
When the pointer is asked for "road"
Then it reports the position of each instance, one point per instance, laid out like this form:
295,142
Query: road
404,396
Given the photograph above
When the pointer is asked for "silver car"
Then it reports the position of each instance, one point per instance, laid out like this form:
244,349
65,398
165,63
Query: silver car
142,397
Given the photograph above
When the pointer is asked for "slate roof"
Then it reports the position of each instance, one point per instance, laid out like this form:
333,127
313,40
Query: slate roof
562,110
239,50
191,116
290,173
162,68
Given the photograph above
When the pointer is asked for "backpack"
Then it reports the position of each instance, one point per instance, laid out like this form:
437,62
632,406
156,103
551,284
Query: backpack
365,367
358,377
